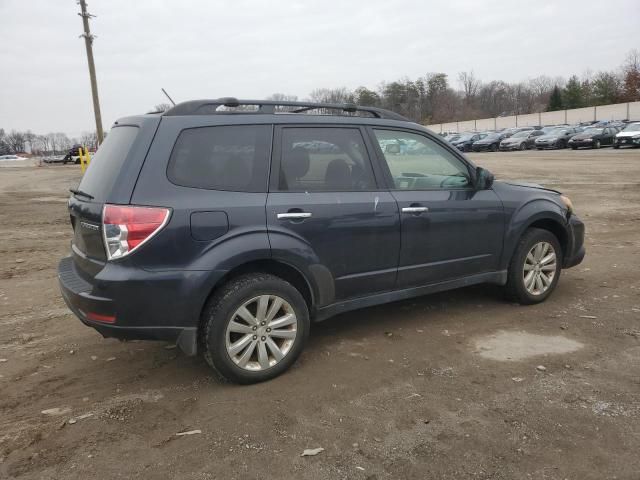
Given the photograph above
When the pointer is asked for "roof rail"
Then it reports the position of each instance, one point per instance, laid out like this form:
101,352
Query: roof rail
210,107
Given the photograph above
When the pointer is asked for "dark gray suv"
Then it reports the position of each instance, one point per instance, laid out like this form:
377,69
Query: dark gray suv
227,226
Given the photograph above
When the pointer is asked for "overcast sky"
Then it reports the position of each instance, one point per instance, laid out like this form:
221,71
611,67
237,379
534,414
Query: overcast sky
253,48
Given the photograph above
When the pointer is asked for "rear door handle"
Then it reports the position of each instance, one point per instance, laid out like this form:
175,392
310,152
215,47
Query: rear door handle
293,215
414,209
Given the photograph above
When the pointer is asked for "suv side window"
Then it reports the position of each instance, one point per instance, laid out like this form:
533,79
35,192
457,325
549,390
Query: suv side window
329,159
418,163
232,158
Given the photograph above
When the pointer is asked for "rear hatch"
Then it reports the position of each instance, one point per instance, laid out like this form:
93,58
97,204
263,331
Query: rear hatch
98,186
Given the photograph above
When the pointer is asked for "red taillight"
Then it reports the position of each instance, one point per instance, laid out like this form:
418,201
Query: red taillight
127,227
97,317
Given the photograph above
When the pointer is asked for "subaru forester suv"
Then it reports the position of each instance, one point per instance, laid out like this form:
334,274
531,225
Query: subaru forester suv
228,226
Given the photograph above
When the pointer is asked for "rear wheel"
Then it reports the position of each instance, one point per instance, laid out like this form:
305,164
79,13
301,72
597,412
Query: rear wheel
523,146
596,144
255,328
494,147
535,267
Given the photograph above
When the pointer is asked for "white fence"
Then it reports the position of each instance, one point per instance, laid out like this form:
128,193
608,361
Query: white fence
618,111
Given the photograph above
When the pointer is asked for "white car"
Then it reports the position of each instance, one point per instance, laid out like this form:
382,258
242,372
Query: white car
12,157
629,136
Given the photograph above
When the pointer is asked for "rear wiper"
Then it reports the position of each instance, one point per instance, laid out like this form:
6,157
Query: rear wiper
75,191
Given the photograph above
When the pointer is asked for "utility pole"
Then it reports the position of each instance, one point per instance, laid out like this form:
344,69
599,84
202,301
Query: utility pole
88,42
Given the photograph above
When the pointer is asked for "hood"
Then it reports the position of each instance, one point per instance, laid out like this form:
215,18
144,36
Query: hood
628,134
548,137
518,183
582,136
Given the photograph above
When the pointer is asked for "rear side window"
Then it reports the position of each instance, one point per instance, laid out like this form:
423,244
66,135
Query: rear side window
105,165
324,159
232,158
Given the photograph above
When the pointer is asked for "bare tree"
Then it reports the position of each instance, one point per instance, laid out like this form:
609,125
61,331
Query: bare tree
331,95
16,141
89,140
470,85
161,107
282,97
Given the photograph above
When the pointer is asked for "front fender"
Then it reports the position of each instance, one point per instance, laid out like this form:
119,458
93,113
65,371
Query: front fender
525,216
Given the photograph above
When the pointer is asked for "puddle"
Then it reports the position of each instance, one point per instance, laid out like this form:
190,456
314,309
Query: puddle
510,346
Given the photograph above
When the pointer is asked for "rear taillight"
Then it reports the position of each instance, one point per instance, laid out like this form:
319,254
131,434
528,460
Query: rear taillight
125,228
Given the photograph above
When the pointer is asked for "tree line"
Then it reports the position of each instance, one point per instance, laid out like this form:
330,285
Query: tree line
49,144
432,98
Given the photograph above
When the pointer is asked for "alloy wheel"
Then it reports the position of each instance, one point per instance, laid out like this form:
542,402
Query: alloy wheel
539,268
261,332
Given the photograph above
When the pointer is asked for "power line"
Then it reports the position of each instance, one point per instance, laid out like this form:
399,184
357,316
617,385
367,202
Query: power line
88,42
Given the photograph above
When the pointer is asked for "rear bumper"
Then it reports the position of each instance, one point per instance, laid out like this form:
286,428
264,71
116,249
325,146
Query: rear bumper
575,246
138,305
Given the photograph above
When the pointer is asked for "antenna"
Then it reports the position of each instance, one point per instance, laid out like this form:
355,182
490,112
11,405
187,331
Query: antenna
170,99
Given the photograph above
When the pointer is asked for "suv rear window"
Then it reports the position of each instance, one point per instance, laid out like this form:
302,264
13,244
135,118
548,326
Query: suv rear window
105,165
232,158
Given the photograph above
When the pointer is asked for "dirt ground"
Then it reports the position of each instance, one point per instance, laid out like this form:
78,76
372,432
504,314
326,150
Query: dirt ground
459,385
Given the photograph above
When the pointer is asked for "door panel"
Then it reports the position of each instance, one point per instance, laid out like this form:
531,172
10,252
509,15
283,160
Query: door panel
324,196
460,234
355,236
448,229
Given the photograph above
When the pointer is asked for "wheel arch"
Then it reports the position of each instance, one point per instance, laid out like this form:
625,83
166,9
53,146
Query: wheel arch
543,214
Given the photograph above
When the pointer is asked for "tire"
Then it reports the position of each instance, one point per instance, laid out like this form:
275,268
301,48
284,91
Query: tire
616,147
574,148
596,144
222,309
515,288
494,148
523,146
538,148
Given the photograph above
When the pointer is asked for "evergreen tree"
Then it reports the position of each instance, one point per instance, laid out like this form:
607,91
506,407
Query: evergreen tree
572,94
555,101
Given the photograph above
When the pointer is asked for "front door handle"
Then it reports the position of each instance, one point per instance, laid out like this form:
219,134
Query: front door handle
293,215
414,209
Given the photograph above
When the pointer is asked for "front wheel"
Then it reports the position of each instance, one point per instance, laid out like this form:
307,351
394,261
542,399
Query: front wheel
535,267
596,144
255,328
523,146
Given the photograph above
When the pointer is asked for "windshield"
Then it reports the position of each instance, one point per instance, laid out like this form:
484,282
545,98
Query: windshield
492,136
524,133
464,138
593,131
557,131
634,127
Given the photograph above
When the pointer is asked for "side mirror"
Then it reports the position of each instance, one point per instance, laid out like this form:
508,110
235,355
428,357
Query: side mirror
392,148
484,179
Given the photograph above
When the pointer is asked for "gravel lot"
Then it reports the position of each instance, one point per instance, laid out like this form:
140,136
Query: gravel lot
454,386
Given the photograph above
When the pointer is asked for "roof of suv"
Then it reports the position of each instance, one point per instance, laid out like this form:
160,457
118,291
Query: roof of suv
213,107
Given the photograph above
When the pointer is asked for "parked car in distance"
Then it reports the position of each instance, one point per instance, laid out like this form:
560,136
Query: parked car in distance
521,141
630,136
12,157
466,140
508,132
229,232
556,138
491,142
593,137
